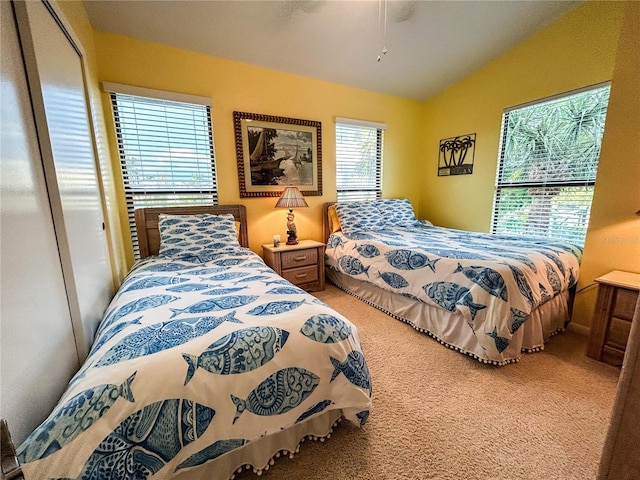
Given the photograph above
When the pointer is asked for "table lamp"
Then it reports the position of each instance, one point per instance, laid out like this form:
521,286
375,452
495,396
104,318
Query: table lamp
291,198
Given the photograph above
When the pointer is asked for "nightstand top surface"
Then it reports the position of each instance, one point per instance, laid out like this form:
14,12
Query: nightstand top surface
302,244
618,278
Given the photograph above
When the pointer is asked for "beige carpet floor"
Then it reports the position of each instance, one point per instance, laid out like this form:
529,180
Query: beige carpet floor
438,414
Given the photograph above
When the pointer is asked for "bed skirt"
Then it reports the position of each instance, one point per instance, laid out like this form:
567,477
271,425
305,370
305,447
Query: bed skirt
450,328
261,454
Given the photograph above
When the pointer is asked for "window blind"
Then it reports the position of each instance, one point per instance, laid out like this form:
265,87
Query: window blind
166,153
547,167
359,147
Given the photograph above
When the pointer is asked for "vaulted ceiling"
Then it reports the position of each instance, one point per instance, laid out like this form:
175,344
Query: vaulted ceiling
429,44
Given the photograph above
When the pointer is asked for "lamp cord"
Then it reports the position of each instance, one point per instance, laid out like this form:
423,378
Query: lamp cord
586,286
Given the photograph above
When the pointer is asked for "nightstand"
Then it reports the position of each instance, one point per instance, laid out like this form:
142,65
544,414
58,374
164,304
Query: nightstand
301,264
615,306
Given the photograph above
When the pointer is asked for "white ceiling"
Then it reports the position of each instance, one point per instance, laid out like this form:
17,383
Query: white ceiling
430,44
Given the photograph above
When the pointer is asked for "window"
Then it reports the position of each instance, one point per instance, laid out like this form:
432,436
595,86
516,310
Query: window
358,159
166,149
547,166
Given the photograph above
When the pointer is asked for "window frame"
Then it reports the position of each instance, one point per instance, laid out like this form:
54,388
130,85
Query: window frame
344,192
587,182
178,196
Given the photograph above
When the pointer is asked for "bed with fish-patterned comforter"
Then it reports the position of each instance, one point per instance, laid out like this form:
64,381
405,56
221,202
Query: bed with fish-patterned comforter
489,296
197,360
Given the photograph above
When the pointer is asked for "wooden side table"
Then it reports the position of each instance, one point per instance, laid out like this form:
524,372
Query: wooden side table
615,306
301,264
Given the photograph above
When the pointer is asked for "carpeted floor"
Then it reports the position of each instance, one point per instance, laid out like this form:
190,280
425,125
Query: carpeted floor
438,414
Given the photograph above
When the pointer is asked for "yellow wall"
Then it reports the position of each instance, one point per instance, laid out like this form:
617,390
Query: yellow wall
613,237
238,86
576,51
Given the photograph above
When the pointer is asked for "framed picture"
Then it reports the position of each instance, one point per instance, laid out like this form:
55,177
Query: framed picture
277,152
456,155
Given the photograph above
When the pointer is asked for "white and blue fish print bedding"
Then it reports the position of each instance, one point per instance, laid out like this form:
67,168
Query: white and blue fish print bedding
196,357
493,281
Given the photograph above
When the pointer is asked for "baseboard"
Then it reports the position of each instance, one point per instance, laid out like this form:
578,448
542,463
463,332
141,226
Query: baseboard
581,329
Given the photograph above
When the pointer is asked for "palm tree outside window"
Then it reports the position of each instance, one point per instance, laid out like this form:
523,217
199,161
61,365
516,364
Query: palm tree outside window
547,167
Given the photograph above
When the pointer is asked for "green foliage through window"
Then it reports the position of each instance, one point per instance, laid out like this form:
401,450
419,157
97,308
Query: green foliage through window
547,166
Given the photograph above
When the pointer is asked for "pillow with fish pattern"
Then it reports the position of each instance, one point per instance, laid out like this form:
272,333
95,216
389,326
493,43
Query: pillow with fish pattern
397,212
358,216
189,235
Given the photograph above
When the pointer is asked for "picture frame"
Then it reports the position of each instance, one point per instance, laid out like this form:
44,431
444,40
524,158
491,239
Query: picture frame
277,152
456,155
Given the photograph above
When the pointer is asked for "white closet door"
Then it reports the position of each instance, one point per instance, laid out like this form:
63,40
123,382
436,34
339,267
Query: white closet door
56,77
37,350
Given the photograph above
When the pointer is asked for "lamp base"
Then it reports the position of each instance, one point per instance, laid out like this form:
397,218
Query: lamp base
292,238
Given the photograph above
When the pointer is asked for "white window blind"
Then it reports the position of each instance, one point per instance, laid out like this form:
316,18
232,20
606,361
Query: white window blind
166,153
547,166
358,159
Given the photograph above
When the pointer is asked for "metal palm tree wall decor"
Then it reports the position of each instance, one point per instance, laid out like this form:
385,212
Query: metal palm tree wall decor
456,155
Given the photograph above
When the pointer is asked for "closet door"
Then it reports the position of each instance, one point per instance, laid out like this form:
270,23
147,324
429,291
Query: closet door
55,71
37,350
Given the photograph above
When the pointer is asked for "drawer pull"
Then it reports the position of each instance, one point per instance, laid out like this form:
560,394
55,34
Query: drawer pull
301,275
300,258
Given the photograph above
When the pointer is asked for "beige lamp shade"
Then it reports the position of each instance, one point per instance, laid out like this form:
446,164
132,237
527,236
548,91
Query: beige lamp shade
291,198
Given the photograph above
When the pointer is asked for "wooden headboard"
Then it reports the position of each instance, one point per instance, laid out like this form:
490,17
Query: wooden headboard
325,221
147,223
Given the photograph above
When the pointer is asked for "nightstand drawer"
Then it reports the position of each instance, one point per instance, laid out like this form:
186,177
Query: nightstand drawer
612,356
618,333
301,275
625,303
299,258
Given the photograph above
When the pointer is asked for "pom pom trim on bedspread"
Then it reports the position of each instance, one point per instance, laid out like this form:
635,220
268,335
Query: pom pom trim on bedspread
284,453
435,337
